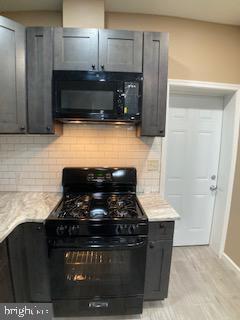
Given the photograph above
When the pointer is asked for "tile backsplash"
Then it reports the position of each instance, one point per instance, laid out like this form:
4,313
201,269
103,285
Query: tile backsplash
35,162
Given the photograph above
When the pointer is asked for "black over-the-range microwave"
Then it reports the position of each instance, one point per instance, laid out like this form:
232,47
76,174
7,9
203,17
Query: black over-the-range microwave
97,96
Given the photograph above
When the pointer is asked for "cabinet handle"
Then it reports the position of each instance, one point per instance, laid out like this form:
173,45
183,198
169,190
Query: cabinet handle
151,244
93,66
48,129
161,131
102,67
22,128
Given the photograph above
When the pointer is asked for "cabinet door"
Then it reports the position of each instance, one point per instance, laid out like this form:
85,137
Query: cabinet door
17,257
158,265
75,49
35,243
28,258
155,73
120,50
12,77
6,290
39,76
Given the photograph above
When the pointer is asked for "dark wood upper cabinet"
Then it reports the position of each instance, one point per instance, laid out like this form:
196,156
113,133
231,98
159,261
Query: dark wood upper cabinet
155,73
93,49
120,50
39,76
75,49
13,77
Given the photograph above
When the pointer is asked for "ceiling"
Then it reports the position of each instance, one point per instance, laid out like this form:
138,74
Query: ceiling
221,11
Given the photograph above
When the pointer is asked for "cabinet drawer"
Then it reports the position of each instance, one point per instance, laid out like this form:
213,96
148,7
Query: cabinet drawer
161,230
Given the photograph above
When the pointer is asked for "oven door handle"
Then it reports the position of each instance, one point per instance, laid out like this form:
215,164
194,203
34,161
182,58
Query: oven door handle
129,245
117,246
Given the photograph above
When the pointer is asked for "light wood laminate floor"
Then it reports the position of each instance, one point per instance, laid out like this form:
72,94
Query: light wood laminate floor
202,287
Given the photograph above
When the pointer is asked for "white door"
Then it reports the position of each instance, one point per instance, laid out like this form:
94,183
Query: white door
193,147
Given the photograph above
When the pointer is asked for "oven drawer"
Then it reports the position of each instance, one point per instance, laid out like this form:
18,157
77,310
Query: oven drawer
98,307
162,230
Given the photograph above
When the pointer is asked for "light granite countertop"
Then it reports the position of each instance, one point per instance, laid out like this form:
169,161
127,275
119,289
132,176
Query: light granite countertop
20,207
156,208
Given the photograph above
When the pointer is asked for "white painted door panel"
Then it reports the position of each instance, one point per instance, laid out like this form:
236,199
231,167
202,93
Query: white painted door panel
194,136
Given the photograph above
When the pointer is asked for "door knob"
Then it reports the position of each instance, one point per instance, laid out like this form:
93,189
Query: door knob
213,188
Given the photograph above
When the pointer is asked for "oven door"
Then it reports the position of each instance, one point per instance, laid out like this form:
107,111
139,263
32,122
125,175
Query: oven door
112,267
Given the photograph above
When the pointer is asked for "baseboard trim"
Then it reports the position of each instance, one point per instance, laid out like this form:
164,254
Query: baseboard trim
226,258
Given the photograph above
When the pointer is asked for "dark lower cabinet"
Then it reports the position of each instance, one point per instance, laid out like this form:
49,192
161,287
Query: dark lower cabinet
6,289
158,264
24,270
28,260
155,73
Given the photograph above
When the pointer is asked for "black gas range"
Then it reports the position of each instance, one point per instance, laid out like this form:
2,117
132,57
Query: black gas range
97,237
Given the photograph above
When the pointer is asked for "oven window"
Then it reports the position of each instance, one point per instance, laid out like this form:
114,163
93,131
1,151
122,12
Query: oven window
95,265
87,99
99,272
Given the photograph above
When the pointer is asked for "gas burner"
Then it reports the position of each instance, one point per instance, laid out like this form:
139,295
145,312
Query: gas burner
122,206
97,213
98,205
75,206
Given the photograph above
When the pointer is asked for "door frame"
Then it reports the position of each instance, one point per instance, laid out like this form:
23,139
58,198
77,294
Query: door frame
217,89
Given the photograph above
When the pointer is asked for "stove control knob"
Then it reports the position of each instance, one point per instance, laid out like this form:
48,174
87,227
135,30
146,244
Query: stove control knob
126,228
132,229
60,230
120,229
73,230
